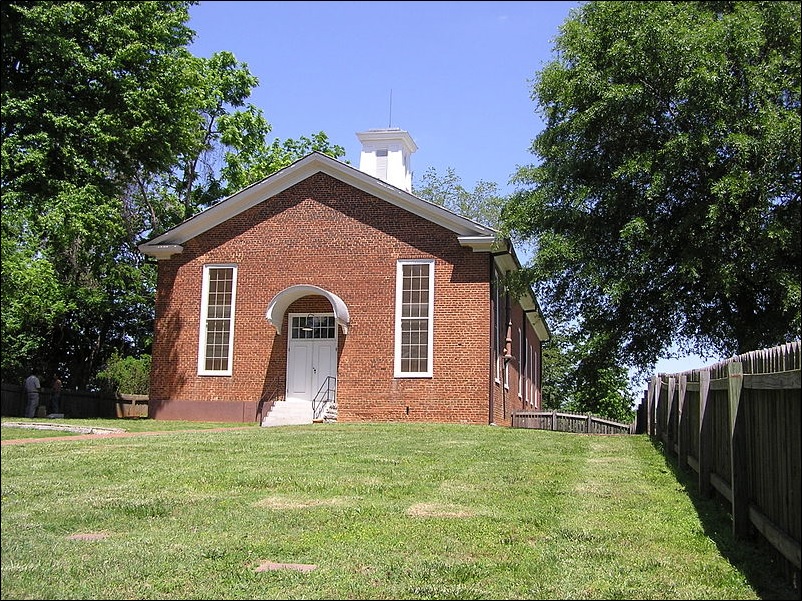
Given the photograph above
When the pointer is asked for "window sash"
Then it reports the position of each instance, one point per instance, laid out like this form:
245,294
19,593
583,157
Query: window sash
414,318
218,300
313,327
499,329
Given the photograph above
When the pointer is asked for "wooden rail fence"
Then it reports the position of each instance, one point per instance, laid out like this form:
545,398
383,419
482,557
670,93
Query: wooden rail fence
569,422
76,403
737,425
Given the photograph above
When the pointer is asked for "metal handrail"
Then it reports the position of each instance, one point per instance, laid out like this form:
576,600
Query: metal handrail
268,398
325,394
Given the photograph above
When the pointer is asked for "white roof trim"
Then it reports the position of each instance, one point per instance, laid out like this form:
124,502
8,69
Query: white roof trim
297,172
393,134
161,251
535,317
479,244
281,302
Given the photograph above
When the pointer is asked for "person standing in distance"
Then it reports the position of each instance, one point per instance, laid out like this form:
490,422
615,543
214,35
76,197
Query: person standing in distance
32,387
55,397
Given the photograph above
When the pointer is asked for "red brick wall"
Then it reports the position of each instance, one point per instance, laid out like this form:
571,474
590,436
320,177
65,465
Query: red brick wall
325,233
513,397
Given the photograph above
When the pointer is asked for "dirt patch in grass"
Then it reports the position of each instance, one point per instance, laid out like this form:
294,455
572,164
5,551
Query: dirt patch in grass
295,503
88,536
63,428
436,510
266,566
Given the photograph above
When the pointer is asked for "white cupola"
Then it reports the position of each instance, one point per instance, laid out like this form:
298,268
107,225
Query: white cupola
386,155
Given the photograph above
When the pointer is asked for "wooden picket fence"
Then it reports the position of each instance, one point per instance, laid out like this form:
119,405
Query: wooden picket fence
737,425
569,422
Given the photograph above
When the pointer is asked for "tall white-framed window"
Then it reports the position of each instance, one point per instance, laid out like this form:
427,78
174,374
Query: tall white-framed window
530,383
414,310
521,360
537,377
218,301
498,327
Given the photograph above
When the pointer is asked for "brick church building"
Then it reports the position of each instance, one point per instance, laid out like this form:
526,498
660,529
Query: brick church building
330,293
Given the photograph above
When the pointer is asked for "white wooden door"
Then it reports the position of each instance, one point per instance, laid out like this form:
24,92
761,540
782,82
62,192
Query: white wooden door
311,354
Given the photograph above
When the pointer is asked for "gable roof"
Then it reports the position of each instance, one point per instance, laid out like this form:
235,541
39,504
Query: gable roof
469,233
301,169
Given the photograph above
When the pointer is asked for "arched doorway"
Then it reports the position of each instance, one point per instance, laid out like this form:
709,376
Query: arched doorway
312,338
311,356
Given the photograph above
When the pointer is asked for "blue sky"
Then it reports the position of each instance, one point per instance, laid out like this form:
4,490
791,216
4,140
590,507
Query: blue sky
455,75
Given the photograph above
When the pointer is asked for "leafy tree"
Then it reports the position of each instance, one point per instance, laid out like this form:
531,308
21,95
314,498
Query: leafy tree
92,93
577,379
482,205
111,132
229,149
665,208
245,168
125,375
556,377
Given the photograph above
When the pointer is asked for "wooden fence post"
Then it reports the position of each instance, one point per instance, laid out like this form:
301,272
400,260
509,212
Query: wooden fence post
739,476
682,426
670,432
651,427
705,435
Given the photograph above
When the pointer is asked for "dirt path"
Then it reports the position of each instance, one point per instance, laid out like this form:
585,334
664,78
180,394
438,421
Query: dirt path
96,433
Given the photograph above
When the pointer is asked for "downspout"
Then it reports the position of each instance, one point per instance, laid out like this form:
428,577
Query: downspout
491,366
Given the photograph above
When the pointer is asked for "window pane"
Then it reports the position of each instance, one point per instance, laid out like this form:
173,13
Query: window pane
317,327
414,345
414,315
217,337
219,312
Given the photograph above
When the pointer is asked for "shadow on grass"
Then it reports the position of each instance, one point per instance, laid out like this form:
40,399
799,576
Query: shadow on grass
767,571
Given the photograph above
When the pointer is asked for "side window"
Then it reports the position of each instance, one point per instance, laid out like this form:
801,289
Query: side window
414,304
498,327
216,345
530,383
522,359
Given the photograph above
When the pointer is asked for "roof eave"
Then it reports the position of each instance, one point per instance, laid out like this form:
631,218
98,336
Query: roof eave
297,172
160,251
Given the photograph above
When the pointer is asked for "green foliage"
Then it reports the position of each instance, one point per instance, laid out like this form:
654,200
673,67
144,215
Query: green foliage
129,375
556,377
577,377
111,132
482,205
246,168
92,93
665,208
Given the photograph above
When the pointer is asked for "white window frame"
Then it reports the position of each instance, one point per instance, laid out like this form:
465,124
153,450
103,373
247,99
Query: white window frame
521,362
530,382
399,289
204,317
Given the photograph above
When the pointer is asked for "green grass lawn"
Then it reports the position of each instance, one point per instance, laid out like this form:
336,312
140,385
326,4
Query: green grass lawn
363,511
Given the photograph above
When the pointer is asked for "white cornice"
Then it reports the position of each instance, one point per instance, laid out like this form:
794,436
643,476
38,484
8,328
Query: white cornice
479,244
161,251
297,172
388,135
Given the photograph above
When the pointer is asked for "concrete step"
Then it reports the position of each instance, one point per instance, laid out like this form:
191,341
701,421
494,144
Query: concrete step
288,412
